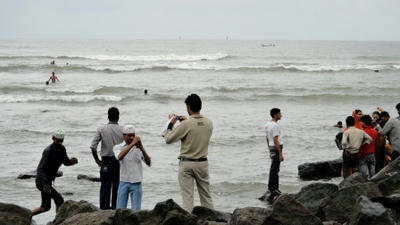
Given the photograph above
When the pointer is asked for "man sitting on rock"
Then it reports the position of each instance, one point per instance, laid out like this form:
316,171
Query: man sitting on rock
53,156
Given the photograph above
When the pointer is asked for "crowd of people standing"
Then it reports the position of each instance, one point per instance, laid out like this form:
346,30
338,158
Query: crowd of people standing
369,142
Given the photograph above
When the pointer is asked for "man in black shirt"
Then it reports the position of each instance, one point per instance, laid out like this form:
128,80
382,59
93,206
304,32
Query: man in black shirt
53,156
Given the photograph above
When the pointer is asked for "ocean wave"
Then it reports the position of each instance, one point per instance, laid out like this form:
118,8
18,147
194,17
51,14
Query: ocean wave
378,58
63,98
129,58
195,66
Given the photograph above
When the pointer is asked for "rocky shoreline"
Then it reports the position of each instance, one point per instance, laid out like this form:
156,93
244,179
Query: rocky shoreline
355,201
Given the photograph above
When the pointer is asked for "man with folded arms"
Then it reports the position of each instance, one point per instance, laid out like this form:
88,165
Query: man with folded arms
130,154
194,133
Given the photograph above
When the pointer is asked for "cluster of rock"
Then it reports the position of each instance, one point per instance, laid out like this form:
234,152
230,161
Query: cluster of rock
355,201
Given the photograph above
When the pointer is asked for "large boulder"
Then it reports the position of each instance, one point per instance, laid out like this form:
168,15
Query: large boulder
331,223
11,214
249,216
354,179
88,178
320,170
387,171
392,201
391,184
128,216
71,208
205,213
370,213
103,217
339,206
312,195
164,213
287,211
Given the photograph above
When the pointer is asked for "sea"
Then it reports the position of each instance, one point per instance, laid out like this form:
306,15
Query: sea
314,83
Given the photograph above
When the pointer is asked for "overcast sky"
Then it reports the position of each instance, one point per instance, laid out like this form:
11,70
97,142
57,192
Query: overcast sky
202,19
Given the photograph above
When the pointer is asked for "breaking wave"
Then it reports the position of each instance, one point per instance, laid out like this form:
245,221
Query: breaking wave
194,66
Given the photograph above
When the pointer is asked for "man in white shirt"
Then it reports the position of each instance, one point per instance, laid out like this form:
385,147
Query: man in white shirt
352,140
275,145
130,154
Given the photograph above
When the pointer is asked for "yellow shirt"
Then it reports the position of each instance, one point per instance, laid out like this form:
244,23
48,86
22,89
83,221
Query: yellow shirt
194,133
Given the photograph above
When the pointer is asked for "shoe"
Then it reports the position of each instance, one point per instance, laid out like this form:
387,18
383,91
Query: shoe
273,196
264,196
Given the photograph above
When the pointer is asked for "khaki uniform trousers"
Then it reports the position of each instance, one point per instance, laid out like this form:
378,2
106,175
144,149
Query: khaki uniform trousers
188,173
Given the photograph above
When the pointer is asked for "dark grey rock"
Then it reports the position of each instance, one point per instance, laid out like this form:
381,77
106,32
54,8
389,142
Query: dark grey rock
164,213
370,213
87,177
392,201
390,184
103,217
204,213
249,216
287,211
11,214
339,206
331,223
32,174
354,179
201,222
71,208
320,170
387,171
312,195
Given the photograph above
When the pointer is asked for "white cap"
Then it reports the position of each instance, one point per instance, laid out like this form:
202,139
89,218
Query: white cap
128,129
59,134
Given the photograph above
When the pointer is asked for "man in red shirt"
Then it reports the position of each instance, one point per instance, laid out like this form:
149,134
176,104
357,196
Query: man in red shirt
367,151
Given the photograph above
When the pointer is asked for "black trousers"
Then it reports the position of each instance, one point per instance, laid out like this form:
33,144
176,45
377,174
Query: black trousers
351,163
46,197
273,181
109,177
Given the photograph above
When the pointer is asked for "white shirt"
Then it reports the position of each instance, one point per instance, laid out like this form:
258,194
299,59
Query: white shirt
131,165
272,130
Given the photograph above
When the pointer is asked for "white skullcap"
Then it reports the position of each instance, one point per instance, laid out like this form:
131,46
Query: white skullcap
128,129
59,134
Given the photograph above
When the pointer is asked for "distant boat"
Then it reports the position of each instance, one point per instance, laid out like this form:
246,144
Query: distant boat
268,45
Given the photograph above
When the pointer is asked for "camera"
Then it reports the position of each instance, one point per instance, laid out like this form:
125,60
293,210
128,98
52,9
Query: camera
180,118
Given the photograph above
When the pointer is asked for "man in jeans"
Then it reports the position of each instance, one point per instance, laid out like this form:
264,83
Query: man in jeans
353,139
367,152
130,154
109,135
275,145
194,133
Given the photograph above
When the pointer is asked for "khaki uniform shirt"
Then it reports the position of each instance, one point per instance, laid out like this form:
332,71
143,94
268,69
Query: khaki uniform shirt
194,133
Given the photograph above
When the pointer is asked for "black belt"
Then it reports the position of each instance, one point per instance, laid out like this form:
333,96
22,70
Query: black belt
192,160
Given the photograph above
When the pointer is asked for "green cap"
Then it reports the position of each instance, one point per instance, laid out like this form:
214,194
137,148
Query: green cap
59,134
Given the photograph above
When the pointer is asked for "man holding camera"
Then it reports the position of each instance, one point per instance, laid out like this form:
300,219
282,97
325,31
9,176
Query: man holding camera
194,133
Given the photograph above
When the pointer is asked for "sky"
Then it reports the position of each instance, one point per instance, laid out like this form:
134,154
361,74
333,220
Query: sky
201,19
